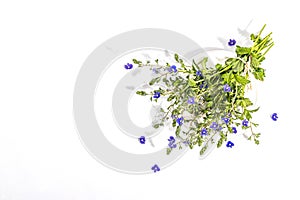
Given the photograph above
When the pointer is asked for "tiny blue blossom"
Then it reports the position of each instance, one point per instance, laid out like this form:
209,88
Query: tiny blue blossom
227,88
234,130
172,142
274,116
245,122
229,144
156,95
179,121
128,66
173,68
191,100
142,139
155,168
198,73
226,120
231,42
203,132
214,125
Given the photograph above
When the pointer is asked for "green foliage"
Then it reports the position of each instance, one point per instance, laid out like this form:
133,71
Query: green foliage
211,102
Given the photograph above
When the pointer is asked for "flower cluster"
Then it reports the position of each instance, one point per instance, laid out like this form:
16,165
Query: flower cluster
208,100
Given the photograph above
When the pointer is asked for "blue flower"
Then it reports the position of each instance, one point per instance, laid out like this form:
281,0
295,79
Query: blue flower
231,42
128,66
173,69
179,121
142,139
229,144
172,142
203,132
198,73
274,116
227,88
191,100
155,168
156,95
245,122
226,120
234,130
203,85
214,125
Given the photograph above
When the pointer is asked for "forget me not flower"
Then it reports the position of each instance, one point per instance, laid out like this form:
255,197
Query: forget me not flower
214,125
229,144
142,139
274,116
172,142
155,168
245,122
156,95
128,66
231,42
234,130
198,73
173,69
191,100
227,88
203,132
179,121
226,120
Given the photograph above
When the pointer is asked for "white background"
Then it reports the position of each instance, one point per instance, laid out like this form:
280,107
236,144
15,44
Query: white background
42,47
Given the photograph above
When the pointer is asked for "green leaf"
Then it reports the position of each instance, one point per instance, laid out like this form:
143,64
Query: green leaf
220,142
248,102
255,110
241,79
259,73
142,93
156,125
176,57
242,50
192,82
239,66
170,98
169,150
135,61
202,151
177,132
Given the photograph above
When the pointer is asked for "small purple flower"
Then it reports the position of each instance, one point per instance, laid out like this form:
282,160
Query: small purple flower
231,42
234,130
172,142
173,68
226,120
229,144
156,95
142,139
245,122
227,88
173,116
274,116
198,73
214,125
155,168
128,66
203,132
179,121
191,100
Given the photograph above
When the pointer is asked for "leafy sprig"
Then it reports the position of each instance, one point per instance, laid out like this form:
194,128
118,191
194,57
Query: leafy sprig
205,101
